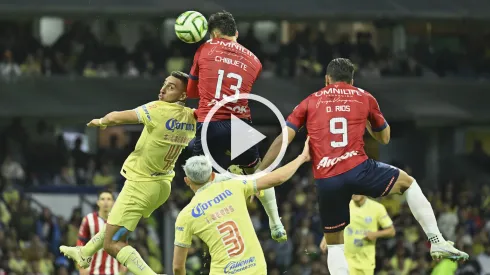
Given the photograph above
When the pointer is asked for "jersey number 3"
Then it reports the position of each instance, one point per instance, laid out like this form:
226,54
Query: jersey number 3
336,130
231,237
235,88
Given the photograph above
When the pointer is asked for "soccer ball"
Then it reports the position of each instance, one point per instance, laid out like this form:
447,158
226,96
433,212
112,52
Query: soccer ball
191,27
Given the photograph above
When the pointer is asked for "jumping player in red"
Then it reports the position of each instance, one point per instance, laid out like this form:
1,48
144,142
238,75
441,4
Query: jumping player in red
223,68
102,263
336,117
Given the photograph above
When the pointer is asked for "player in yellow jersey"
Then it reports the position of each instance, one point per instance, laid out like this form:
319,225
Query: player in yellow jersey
366,219
218,215
169,127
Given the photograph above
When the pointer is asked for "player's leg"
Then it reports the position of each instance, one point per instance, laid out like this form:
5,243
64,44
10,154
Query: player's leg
248,162
333,202
380,179
424,214
144,198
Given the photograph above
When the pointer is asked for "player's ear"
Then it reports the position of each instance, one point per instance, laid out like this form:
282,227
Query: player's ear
187,182
183,96
213,175
236,34
327,80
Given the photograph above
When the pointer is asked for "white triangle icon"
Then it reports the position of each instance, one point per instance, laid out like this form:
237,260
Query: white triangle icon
243,136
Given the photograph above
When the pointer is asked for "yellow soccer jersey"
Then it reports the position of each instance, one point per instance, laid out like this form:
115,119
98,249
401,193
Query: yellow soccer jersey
218,215
169,127
368,218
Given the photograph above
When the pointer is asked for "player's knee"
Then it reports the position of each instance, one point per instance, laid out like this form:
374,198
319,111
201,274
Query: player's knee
403,182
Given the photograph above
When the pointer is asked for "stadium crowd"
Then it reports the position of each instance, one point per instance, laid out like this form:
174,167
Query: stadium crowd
463,212
79,52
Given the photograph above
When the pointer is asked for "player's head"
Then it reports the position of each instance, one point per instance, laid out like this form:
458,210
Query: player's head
340,70
198,171
222,25
105,200
174,88
358,198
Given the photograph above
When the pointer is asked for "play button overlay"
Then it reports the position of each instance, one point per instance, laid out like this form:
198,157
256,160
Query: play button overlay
244,136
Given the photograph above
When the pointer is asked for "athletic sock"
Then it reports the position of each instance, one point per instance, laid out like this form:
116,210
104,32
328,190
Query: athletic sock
95,244
130,258
337,263
268,200
423,213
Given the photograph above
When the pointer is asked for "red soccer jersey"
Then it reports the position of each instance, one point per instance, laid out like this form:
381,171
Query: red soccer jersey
335,118
222,68
102,263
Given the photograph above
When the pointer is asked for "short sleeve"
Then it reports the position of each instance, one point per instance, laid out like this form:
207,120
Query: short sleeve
83,233
183,231
375,117
384,220
250,187
297,118
147,114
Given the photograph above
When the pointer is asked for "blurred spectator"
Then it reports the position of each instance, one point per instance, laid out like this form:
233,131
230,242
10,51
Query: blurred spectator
484,259
175,63
447,222
370,71
67,174
12,170
103,177
47,229
131,70
89,70
8,68
148,66
25,221
17,263
31,67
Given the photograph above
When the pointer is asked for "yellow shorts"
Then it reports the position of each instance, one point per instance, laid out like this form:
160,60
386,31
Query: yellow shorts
358,271
355,271
139,199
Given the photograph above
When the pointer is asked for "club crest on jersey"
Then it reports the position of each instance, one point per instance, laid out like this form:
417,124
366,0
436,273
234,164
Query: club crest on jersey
201,208
368,219
172,125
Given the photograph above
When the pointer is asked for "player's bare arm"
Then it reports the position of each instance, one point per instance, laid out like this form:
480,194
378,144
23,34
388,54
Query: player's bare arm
275,148
388,232
284,173
180,256
382,136
115,118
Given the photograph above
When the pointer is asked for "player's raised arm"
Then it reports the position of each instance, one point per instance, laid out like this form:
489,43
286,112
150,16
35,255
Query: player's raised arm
279,176
294,122
115,118
376,124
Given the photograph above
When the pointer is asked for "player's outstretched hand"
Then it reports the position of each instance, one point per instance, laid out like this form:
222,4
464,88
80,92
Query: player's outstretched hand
96,123
306,150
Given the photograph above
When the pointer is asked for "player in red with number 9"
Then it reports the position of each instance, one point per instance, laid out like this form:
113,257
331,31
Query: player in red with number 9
223,68
336,118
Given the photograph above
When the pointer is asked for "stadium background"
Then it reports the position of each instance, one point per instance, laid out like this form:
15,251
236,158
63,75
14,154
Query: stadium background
64,62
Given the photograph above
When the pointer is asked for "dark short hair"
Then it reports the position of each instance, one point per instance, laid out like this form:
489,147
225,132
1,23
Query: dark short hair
181,76
341,69
224,22
105,190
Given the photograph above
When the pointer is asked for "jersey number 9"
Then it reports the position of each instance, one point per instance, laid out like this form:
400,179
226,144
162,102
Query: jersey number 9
338,126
